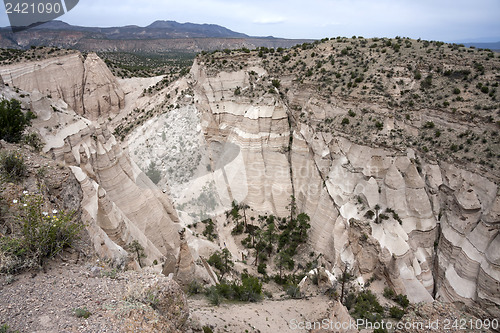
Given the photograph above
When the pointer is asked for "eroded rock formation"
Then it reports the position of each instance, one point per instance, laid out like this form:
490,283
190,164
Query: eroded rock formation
429,228
439,234
86,85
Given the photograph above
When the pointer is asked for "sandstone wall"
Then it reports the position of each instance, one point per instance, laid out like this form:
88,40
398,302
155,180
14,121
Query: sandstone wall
442,239
120,204
86,85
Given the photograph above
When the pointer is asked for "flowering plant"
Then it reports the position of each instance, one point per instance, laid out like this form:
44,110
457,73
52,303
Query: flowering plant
44,233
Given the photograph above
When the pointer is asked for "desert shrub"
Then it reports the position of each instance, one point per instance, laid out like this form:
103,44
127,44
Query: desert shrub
209,231
207,329
399,298
215,260
429,124
12,166
43,235
221,261
213,295
293,290
238,229
262,268
153,173
426,83
396,313
137,249
380,330
33,140
345,121
6,329
389,293
82,312
367,307
12,120
402,300
249,290
194,288
383,216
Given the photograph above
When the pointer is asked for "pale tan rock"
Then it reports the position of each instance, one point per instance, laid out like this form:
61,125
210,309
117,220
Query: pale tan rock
102,97
185,267
467,199
87,86
493,214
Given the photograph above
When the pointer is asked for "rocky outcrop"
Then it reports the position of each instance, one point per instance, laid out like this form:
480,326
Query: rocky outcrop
159,306
339,321
119,202
429,228
86,85
435,227
102,95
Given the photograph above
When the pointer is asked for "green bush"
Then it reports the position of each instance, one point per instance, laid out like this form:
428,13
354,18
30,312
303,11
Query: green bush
262,268
33,140
6,329
380,330
43,235
82,312
396,313
366,306
429,124
249,290
238,229
209,231
213,295
194,288
12,120
399,298
207,329
389,293
221,261
426,83
402,300
12,166
293,291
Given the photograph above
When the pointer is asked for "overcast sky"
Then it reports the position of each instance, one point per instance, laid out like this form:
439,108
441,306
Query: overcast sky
446,20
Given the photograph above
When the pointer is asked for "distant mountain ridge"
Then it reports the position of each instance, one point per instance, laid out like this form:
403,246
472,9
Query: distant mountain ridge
157,29
491,46
160,36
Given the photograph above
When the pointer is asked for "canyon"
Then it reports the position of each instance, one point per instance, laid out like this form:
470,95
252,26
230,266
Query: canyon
268,128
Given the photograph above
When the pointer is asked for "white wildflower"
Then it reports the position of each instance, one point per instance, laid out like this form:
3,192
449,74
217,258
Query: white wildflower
25,192
45,213
14,201
54,211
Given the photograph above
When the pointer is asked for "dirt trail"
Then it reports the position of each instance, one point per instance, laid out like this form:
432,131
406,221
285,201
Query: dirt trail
268,316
